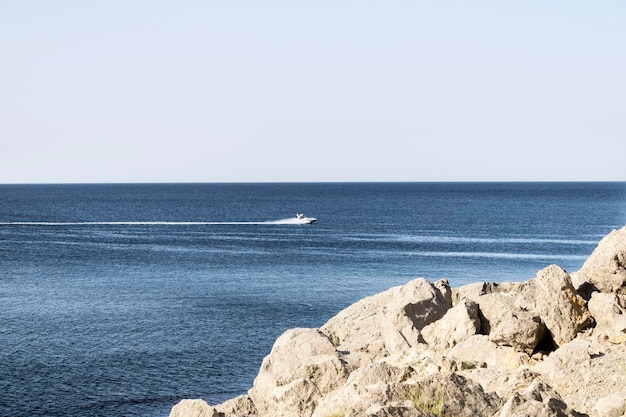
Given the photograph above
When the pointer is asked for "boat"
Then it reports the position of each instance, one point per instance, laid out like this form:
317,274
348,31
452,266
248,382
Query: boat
302,219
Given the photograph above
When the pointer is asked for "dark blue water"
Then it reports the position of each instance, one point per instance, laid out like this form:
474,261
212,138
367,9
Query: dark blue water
100,318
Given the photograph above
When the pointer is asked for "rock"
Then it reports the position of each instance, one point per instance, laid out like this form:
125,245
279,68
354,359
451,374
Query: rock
609,313
561,364
383,389
613,405
426,362
459,323
553,297
519,330
505,316
584,371
452,395
505,383
479,351
302,367
404,409
537,400
444,291
475,290
389,322
241,406
507,324
605,269
193,408
375,384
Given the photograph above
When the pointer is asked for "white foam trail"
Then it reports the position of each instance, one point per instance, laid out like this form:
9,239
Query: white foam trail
501,255
145,223
454,239
461,239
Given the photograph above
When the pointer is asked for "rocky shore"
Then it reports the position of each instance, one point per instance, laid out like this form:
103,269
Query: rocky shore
552,346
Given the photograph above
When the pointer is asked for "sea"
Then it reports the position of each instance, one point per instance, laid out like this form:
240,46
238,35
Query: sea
123,299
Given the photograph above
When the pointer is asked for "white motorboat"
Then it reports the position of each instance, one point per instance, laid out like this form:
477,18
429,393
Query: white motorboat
302,219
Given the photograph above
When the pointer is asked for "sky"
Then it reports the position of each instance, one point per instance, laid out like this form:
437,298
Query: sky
301,91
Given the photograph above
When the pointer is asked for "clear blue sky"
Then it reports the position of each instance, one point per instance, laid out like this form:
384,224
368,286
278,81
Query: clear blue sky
207,91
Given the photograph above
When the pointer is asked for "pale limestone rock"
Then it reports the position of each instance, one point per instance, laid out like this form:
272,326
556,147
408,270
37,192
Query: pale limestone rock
475,290
584,371
518,330
609,313
241,406
380,388
459,323
375,384
558,366
389,322
505,383
605,269
459,396
557,303
193,408
444,291
507,324
426,362
613,405
537,400
505,316
302,367
479,351
394,409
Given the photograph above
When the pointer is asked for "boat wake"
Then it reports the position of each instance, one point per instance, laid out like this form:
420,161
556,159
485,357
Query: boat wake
150,223
299,219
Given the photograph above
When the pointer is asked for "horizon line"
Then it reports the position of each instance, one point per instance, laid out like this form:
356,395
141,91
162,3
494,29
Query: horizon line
319,182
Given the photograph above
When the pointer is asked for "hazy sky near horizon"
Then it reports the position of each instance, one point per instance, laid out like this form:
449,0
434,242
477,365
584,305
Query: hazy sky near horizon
202,91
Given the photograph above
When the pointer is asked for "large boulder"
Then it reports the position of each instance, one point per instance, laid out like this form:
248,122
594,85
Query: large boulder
609,313
476,289
505,383
479,351
465,397
504,314
372,386
241,406
509,324
451,395
585,373
389,322
536,400
193,408
552,296
570,359
605,269
613,405
302,367
459,323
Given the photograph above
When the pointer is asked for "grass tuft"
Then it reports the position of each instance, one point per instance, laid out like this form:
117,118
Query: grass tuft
334,339
425,402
